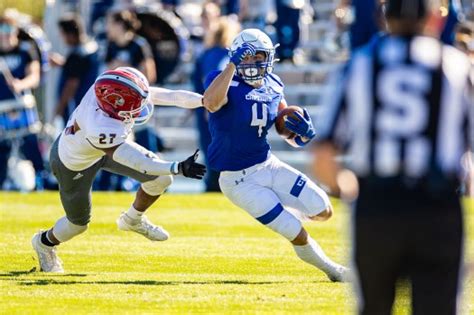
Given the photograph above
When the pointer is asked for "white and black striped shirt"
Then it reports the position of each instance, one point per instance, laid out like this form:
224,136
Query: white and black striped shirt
402,108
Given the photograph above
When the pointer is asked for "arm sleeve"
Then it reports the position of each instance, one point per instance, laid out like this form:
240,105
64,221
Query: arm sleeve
140,159
180,98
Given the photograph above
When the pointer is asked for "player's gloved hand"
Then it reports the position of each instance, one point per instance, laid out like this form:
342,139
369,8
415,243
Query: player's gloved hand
303,126
245,50
189,167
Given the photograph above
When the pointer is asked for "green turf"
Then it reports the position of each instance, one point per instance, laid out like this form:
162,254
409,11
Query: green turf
218,260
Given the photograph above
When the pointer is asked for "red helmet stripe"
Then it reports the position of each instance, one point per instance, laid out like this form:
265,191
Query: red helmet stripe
125,81
122,94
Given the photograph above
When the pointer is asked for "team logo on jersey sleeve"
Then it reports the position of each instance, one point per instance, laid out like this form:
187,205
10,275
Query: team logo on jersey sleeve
114,99
257,95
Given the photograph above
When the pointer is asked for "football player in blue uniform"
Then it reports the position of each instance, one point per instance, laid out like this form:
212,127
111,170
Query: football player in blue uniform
244,100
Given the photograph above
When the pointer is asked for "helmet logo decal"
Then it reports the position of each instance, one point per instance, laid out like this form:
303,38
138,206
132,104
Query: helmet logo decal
114,99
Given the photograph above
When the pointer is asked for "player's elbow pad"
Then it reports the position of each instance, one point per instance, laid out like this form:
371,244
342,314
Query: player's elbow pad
138,158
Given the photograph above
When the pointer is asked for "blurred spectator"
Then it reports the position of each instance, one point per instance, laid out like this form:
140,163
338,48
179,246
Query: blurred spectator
209,16
167,36
369,21
20,72
231,7
98,12
228,7
365,24
126,49
79,69
465,39
449,31
253,13
170,5
287,27
218,37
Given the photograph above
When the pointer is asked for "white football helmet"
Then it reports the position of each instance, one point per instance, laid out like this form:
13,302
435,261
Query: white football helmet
253,74
147,111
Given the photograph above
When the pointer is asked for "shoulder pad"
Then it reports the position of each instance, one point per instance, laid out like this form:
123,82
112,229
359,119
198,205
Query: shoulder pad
276,83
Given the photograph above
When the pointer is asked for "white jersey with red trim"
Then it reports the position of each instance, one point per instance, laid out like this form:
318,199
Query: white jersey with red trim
80,148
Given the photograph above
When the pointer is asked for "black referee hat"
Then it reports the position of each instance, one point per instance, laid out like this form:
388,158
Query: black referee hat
406,9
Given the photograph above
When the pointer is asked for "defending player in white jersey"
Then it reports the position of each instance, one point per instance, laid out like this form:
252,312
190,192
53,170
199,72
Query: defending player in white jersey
244,100
96,138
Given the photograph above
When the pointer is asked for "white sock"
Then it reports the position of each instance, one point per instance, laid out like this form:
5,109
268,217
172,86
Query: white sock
313,254
134,214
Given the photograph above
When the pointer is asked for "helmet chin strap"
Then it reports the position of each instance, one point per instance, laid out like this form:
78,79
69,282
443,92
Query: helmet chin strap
144,114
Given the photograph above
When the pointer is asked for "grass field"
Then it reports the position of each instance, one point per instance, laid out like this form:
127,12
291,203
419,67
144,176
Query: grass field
218,260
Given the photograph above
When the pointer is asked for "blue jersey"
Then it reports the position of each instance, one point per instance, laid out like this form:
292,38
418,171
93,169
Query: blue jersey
239,129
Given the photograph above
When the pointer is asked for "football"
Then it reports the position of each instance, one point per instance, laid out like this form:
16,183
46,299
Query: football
280,121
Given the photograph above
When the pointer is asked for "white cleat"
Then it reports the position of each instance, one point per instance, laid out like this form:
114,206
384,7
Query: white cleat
48,259
143,227
341,274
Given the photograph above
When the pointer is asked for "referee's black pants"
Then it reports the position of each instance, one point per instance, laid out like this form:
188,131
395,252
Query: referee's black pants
425,248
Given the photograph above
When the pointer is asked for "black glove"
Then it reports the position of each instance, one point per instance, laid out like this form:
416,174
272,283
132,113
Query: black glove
189,167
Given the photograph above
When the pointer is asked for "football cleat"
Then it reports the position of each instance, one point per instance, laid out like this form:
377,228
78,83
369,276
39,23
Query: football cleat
341,274
48,259
143,227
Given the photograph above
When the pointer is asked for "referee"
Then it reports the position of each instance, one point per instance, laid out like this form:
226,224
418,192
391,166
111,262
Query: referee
401,114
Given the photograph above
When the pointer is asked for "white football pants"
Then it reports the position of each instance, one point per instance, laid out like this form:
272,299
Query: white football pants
266,189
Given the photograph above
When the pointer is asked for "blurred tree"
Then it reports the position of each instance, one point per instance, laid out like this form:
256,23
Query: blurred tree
33,8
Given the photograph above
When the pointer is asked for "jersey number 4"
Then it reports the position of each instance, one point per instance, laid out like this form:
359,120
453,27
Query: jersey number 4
259,117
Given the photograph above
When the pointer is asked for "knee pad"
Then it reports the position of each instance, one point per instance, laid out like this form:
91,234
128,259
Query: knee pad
287,225
158,185
313,199
64,229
